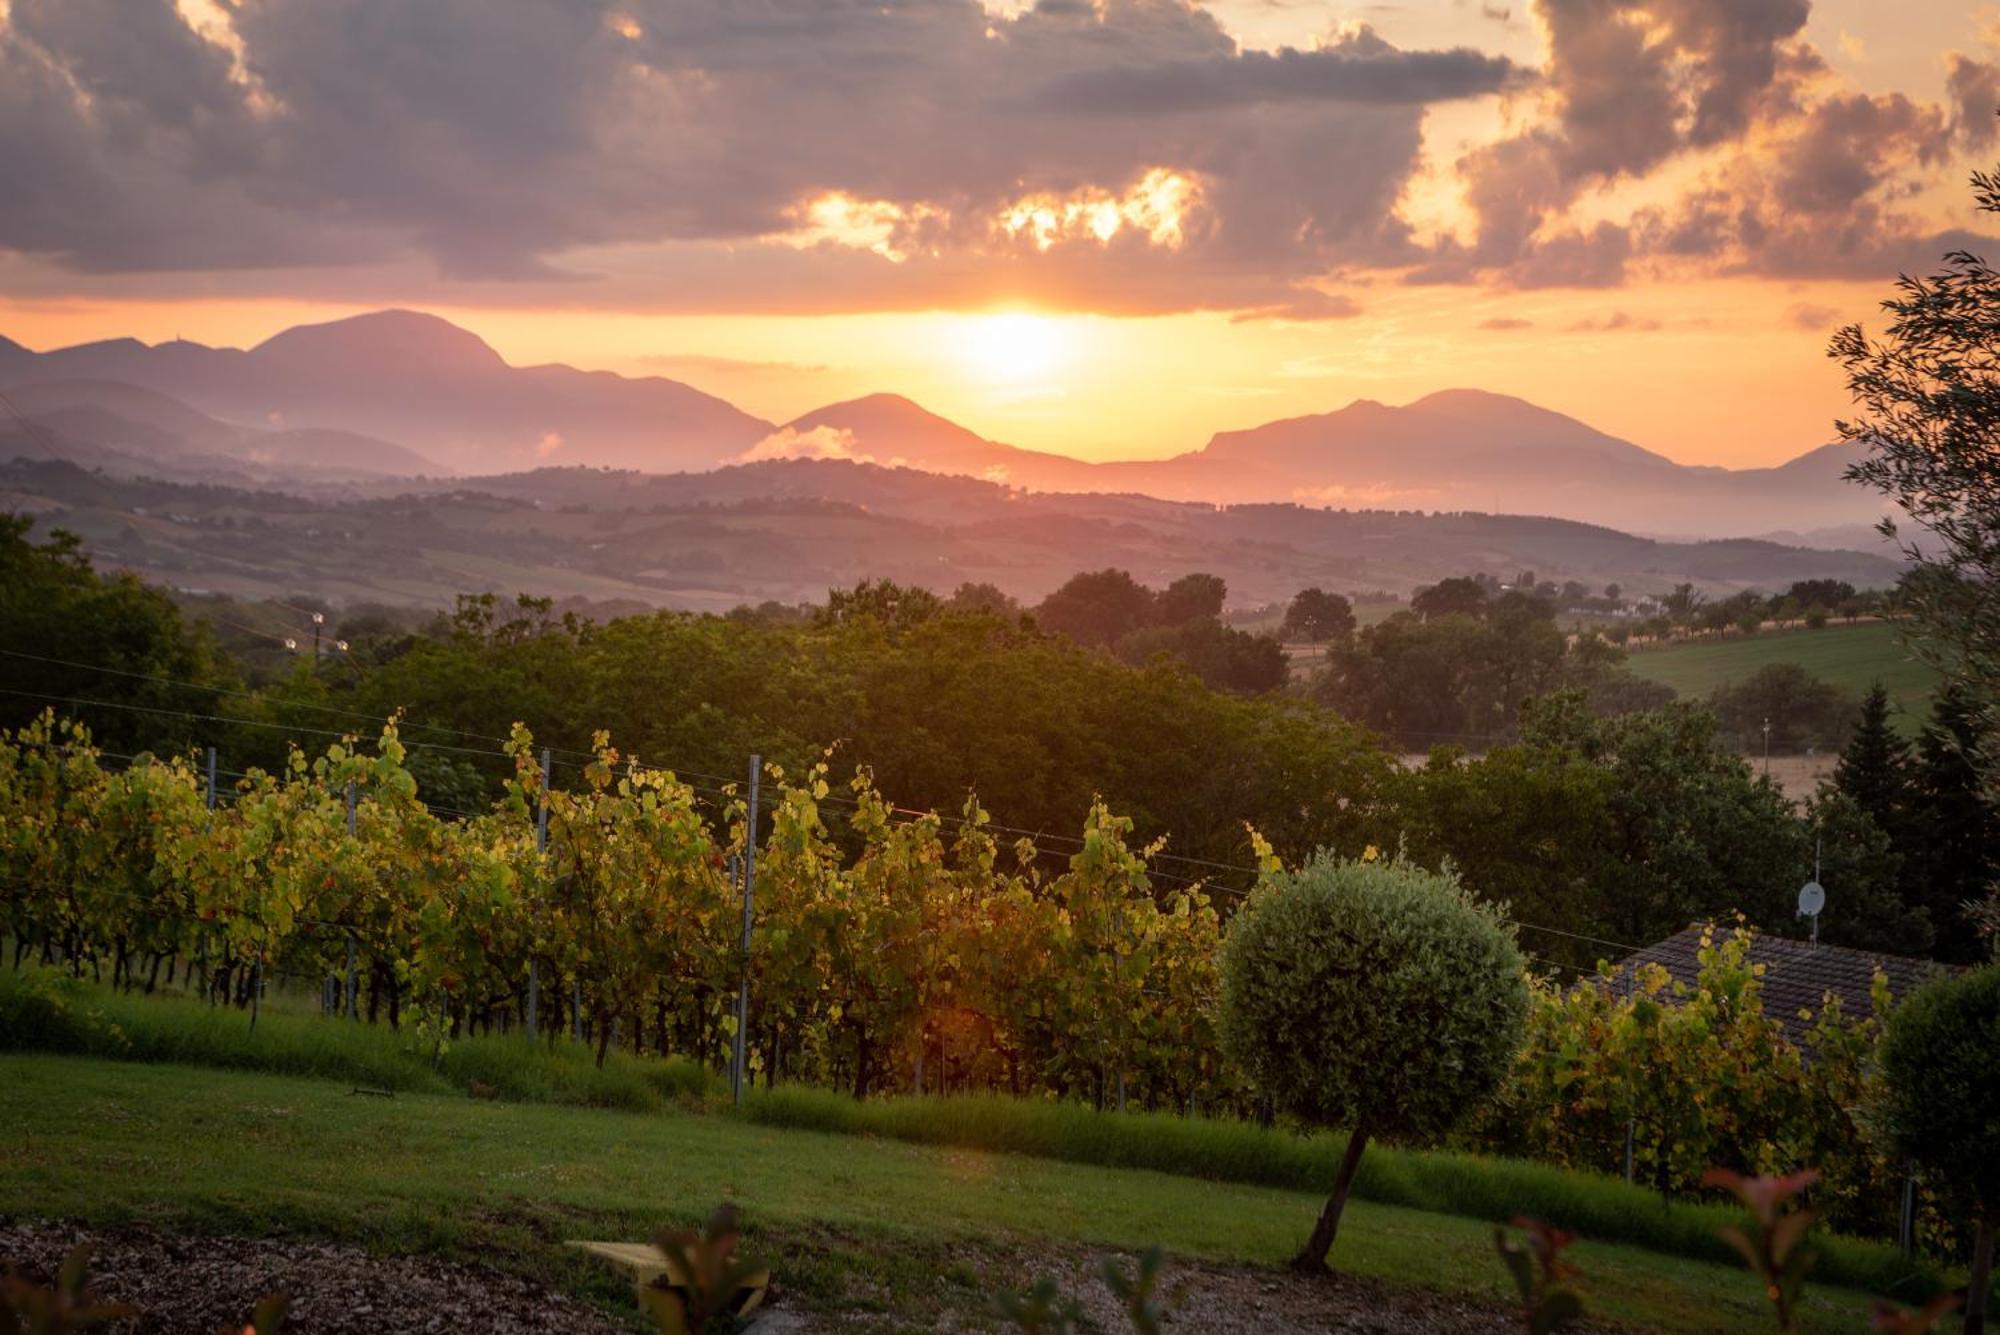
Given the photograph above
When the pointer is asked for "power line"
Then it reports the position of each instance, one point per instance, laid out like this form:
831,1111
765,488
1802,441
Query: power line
275,701
961,822
224,718
835,799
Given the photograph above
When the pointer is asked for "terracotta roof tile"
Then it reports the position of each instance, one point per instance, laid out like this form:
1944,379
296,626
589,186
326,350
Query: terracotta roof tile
1797,974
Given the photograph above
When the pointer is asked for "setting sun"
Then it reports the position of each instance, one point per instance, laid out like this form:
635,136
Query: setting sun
1014,347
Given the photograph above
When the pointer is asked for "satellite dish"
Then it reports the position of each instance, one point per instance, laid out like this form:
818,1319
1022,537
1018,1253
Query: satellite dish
1812,898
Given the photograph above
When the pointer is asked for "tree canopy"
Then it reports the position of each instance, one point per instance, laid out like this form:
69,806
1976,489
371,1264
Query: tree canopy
148,662
1940,1063
1318,616
1373,996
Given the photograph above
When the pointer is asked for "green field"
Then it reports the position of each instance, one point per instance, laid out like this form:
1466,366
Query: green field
912,1233
1851,657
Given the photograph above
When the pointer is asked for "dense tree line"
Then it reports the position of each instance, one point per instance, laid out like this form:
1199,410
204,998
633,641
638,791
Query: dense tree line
1914,826
1458,665
1617,821
1181,623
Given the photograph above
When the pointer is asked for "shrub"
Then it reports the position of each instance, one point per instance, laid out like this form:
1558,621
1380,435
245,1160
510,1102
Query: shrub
1940,1062
1540,1275
1685,1076
1373,996
1773,1245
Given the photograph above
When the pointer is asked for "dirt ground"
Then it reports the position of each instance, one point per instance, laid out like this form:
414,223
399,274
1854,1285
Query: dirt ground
1238,1298
201,1286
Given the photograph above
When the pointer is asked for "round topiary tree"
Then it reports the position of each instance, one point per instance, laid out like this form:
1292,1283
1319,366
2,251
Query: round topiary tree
1940,1066
1373,996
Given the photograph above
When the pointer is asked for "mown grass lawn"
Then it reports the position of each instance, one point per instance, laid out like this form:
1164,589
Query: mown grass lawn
1851,657
850,1222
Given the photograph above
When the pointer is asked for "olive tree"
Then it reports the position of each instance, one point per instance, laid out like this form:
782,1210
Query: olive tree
1371,996
1940,1065
1929,399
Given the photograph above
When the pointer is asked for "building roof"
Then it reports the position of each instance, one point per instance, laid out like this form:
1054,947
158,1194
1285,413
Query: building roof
1797,974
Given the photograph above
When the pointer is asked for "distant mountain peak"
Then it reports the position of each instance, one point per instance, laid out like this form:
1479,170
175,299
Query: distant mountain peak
399,342
881,404
1476,399
893,425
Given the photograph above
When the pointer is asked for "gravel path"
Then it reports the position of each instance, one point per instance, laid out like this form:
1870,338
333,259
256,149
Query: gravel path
198,1286
1245,1298
201,1286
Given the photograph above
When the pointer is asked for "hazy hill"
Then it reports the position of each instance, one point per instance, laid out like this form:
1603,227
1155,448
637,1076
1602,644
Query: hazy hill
789,530
426,384
1440,440
440,391
125,429
1453,450
890,429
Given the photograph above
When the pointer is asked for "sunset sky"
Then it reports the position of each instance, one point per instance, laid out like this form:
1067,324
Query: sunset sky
1104,228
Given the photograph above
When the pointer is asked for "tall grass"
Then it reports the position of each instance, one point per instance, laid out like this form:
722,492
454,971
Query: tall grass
43,1011
1601,1208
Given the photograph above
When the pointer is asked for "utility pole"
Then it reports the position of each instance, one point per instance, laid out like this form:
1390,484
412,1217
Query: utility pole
352,989
541,850
201,955
1815,917
740,1067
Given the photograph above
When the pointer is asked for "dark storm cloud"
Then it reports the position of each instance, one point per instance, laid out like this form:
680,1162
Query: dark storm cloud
1851,145
126,146
1329,75
1798,180
1975,97
1632,83
1823,198
658,147
498,138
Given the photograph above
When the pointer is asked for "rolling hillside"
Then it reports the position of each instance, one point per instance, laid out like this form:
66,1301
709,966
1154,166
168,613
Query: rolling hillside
790,530
1851,657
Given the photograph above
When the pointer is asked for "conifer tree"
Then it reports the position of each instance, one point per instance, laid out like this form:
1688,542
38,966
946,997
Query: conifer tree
1874,769
1956,829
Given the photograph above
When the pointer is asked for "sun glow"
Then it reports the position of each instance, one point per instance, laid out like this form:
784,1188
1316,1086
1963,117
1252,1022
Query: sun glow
1013,347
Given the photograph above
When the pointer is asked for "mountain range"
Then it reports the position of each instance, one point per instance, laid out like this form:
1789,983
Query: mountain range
405,394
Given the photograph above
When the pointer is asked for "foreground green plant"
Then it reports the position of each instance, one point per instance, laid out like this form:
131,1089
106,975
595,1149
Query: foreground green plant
1774,1243
28,1308
706,1277
1039,1310
1915,1321
1139,1293
1541,1276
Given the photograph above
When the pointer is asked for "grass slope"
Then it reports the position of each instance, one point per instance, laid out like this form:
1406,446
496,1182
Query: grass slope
849,1222
43,1010
1851,657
